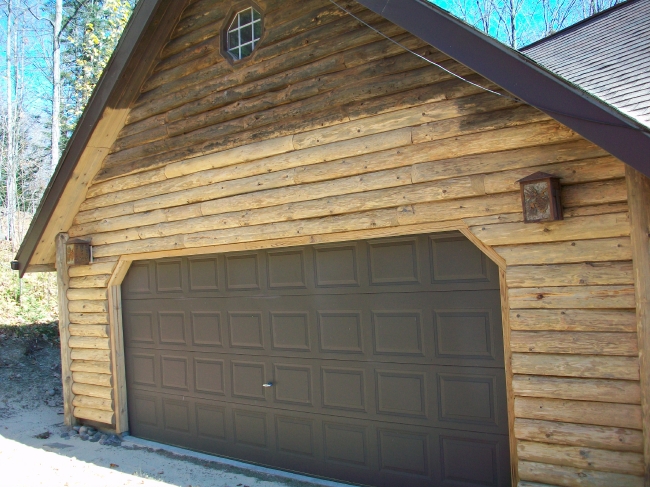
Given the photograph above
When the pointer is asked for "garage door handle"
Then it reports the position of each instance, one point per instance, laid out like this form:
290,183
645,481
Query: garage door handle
268,384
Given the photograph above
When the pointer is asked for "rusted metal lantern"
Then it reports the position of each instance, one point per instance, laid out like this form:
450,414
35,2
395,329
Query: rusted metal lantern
541,198
77,252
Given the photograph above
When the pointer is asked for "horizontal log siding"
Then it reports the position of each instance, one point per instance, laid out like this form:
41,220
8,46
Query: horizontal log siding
92,376
329,132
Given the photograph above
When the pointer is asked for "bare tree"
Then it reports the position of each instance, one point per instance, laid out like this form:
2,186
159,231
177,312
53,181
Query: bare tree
56,89
557,14
10,162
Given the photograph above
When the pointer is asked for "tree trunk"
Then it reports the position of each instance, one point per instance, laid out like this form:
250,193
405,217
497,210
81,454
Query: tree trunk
11,160
56,90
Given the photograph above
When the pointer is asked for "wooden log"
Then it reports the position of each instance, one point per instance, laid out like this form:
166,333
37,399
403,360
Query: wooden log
582,412
588,274
639,194
208,45
91,366
213,116
575,477
88,306
93,403
569,213
448,90
89,330
577,343
424,114
463,166
579,228
337,237
573,297
117,347
104,380
575,251
310,156
356,37
596,193
63,284
89,294
89,281
104,417
516,158
89,318
240,186
503,139
507,358
92,269
606,171
587,458
91,354
93,391
586,436
617,391
358,222
625,368
291,24
424,195
600,320
89,342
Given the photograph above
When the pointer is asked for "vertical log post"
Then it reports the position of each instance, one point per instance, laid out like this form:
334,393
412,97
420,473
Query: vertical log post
63,282
507,358
638,194
117,346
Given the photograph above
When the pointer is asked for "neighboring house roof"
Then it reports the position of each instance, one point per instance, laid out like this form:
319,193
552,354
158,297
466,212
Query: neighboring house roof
152,23
607,55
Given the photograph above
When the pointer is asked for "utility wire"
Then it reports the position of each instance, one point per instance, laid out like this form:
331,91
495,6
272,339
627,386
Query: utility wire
550,110
421,56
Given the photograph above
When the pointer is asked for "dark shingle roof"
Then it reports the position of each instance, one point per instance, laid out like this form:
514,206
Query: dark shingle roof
607,55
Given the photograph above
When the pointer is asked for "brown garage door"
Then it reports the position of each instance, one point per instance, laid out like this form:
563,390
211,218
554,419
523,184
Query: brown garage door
375,362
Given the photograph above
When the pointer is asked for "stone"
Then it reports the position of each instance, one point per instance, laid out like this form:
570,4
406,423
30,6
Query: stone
84,437
83,430
94,438
76,428
51,392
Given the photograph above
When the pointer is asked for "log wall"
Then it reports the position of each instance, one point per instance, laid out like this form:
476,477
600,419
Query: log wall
329,132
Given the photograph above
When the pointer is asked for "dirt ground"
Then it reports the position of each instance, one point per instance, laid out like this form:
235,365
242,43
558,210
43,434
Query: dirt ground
30,369
34,450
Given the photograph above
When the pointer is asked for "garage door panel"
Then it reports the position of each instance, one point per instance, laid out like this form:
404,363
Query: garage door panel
364,451
377,362
406,264
465,398
444,328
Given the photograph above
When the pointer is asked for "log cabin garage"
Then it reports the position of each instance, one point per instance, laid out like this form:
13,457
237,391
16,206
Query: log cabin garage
362,241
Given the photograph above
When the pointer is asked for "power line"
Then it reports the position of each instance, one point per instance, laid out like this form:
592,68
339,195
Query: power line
544,109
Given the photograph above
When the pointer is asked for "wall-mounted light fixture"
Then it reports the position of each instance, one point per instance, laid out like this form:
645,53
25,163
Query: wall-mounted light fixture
541,198
77,252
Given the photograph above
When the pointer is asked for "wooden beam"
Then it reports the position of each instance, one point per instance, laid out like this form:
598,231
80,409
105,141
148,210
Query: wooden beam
117,346
507,356
638,189
63,282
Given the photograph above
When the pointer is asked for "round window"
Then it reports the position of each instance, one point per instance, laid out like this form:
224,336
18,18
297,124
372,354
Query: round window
244,33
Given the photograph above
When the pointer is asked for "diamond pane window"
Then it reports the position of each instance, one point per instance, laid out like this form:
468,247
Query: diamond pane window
244,33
